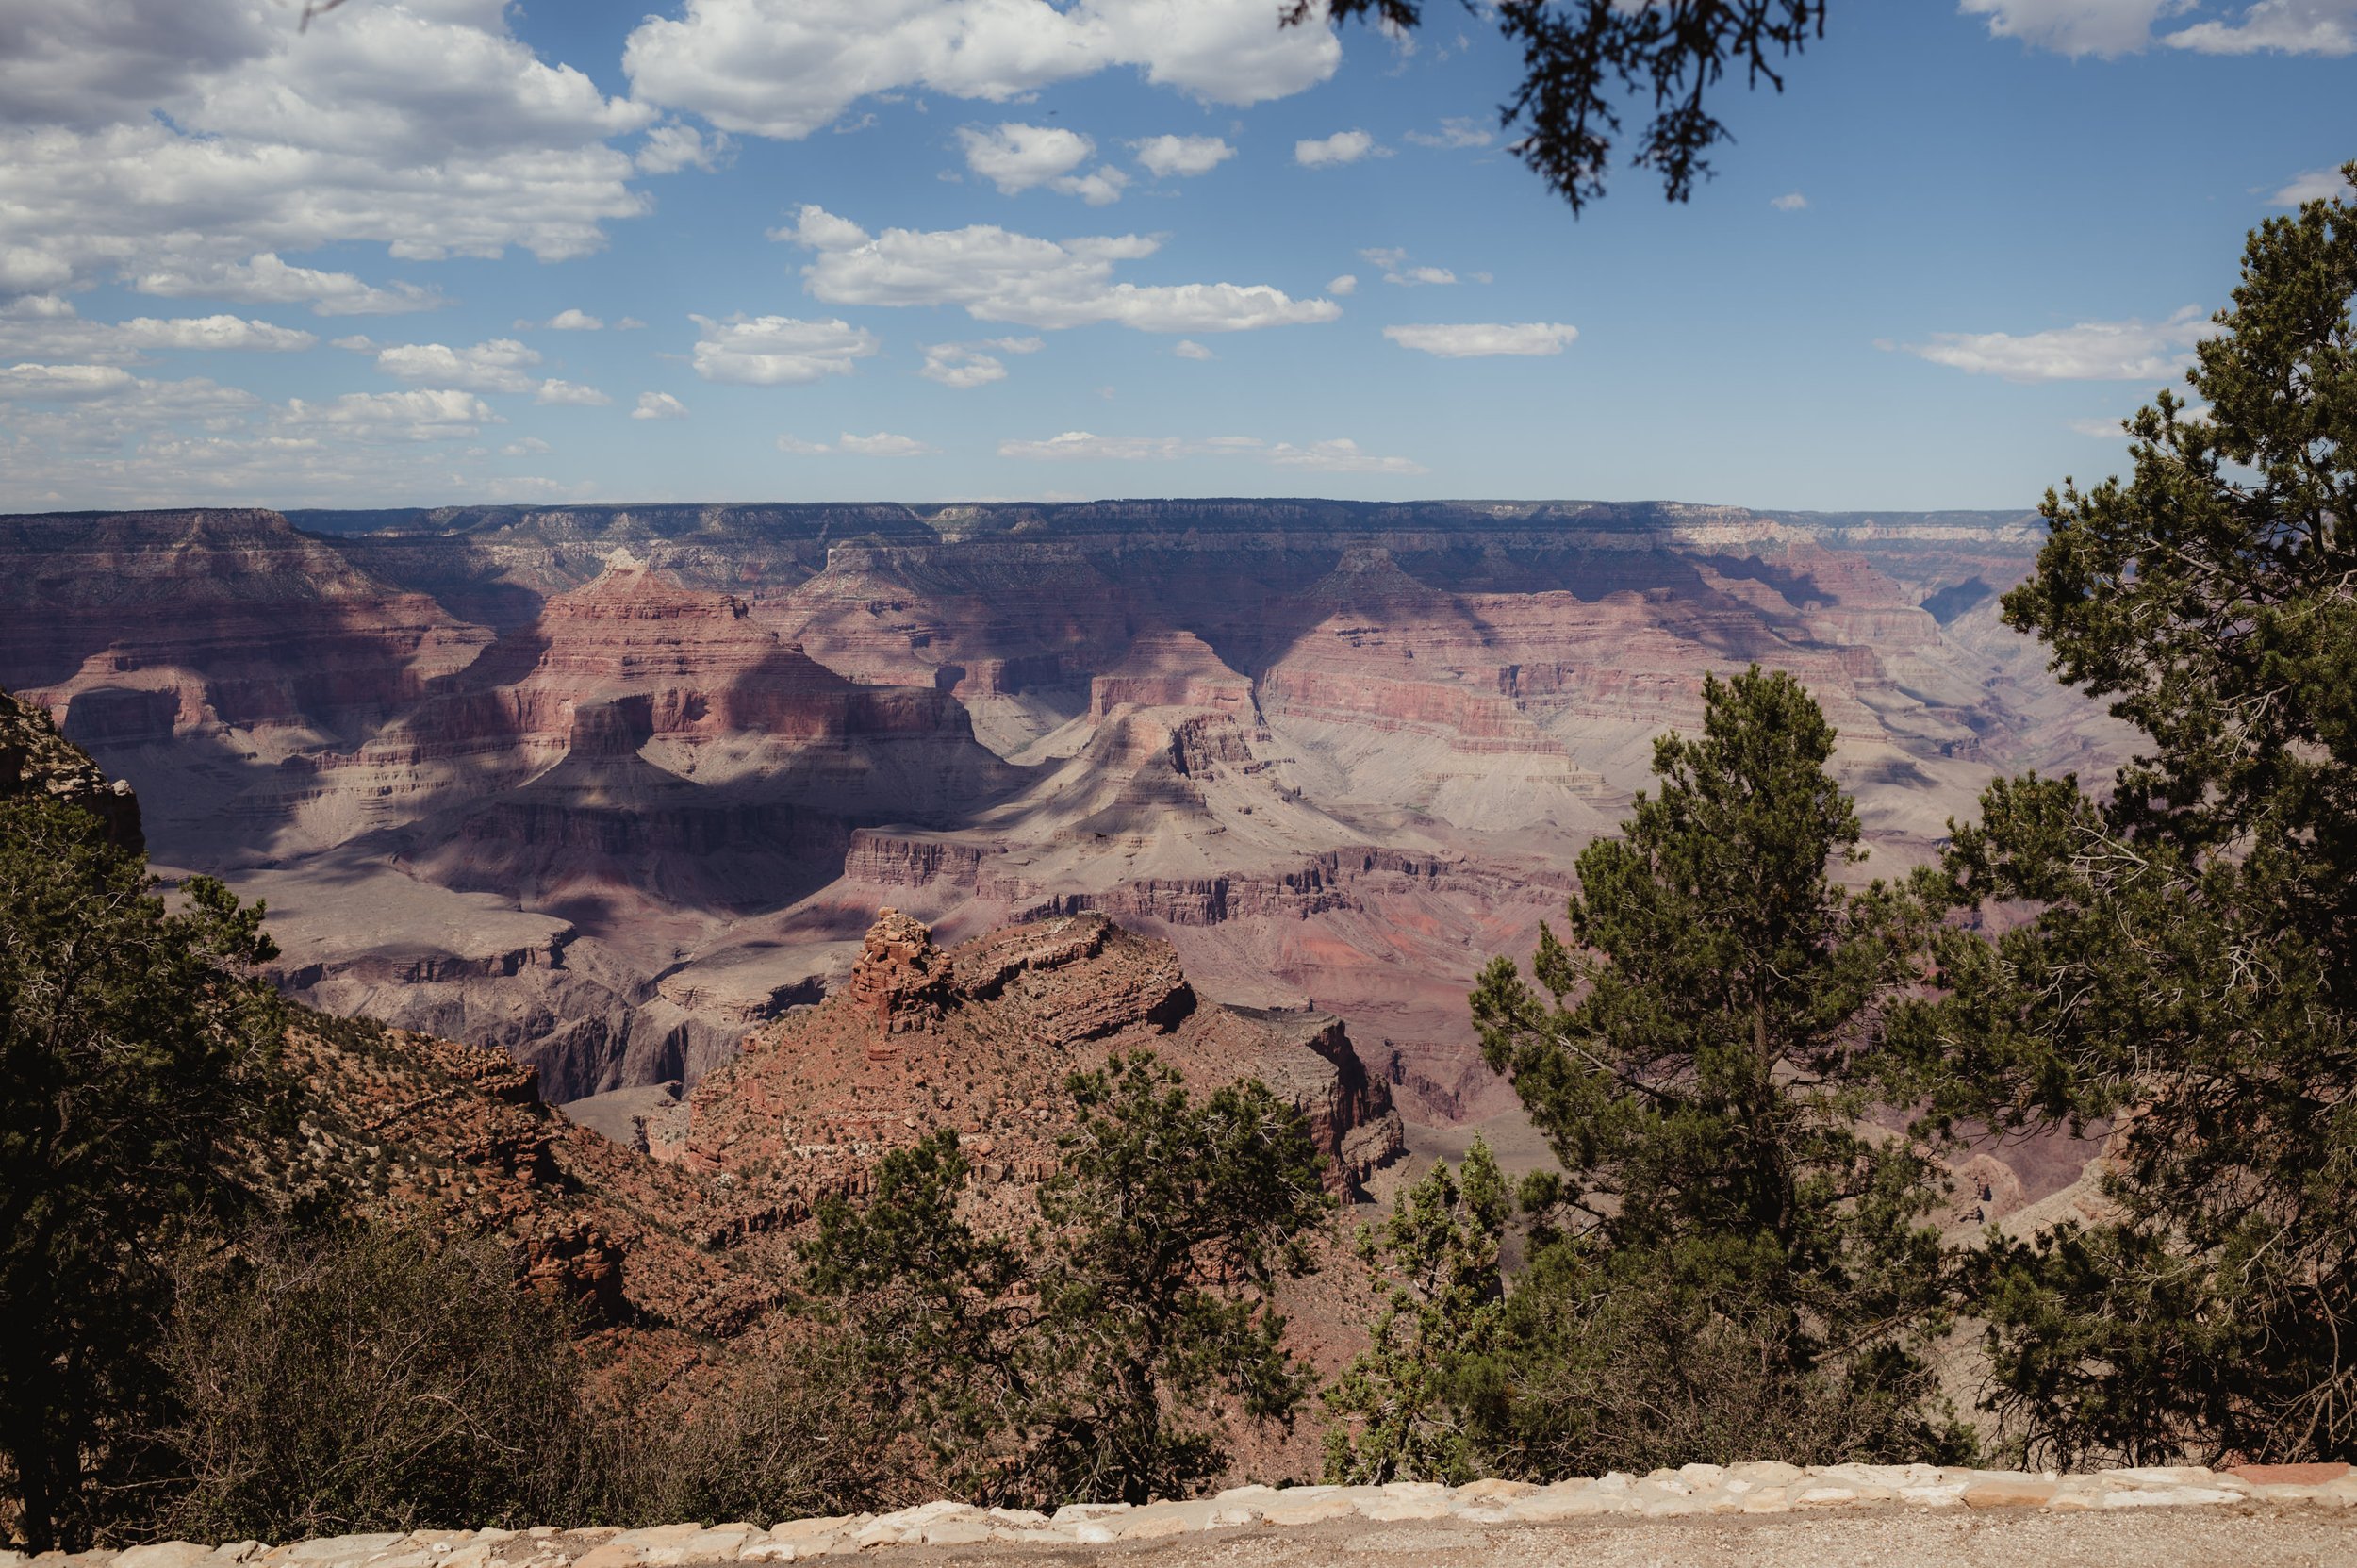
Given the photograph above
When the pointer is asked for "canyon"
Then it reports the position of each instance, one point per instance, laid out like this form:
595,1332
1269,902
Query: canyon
612,788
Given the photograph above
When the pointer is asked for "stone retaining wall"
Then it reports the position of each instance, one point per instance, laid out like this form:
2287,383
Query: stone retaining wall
1697,1489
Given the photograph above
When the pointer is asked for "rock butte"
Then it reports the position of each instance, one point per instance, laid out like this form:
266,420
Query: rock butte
608,788
1662,1498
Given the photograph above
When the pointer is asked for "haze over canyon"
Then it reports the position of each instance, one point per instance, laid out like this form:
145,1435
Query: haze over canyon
611,786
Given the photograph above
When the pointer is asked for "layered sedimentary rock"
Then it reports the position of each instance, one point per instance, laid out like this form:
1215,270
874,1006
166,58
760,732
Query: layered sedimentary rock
37,761
607,786
981,1038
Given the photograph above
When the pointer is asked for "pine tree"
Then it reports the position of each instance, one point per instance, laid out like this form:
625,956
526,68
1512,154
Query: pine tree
2187,979
1415,1393
1740,1262
134,1046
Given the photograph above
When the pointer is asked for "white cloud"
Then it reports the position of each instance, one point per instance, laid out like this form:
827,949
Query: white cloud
1015,156
778,351
441,414
2315,185
1003,276
266,280
1456,131
2111,27
1341,147
1338,456
42,326
802,449
965,366
500,365
1791,201
1334,457
1165,155
1394,263
1187,348
2281,26
882,444
658,405
2090,351
786,68
1343,286
173,142
529,446
670,148
572,320
1477,340
571,394
63,383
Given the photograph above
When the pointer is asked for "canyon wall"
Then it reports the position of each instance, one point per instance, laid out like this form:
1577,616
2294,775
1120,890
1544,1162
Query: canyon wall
610,787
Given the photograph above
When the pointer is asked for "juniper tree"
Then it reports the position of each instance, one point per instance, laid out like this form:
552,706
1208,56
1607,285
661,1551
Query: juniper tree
1091,1358
1733,1262
1417,1393
134,1046
2188,981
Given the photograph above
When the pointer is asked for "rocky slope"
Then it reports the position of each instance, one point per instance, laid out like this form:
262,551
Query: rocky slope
608,786
36,760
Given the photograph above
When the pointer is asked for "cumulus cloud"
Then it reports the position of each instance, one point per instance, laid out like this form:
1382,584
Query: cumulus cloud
1015,158
1344,286
1478,339
1455,132
569,394
998,275
1187,348
570,320
2090,351
965,366
882,444
264,279
802,449
778,351
2111,27
529,446
43,327
787,68
172,142
438,414
670,148
1395,269
500,365
2315,185
61,382
1341,147
1165,155
1335,457
1791,201
658,405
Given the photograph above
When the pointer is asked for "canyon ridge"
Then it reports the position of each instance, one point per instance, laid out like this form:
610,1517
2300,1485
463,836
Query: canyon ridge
611,788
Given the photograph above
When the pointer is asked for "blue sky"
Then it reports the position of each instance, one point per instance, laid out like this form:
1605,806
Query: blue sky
932,250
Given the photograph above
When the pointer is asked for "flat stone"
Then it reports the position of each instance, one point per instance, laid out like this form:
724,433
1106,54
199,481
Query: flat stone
2010,1492
803,1530
1254,1492
1020,1518
1766,1473
337,1547
2170,1497
1073,1514
1391,1509
1580,1500
953,1532
2289,1474
1307,1505
165,1554
1481,1491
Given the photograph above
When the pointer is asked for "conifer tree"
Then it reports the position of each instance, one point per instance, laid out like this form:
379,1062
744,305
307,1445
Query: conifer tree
1733,1263
2187,984
1415,1393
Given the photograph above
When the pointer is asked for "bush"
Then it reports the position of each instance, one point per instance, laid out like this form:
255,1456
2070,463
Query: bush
369,1378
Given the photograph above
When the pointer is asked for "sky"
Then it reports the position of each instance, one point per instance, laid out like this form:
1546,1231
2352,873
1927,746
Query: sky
450,252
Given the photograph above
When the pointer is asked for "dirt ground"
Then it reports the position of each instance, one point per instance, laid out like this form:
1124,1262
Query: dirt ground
2171,1538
